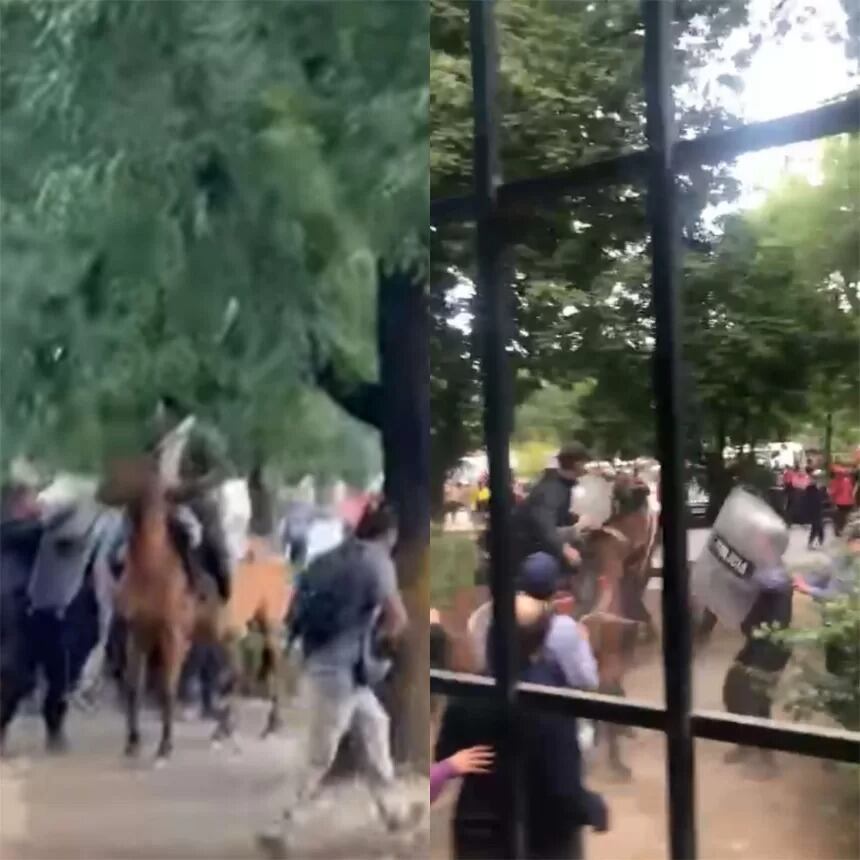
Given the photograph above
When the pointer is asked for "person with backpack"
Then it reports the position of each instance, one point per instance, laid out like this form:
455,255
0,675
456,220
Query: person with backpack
347,605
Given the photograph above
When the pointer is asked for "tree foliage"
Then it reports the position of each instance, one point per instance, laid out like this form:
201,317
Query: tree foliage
192,194
771,325
570,91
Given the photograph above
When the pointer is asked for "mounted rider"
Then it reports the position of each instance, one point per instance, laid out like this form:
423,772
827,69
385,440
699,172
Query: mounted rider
194,463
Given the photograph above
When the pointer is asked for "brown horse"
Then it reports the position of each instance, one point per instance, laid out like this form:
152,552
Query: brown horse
164,616
619,555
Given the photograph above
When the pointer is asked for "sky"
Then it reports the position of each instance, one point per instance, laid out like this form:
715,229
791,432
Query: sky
798,73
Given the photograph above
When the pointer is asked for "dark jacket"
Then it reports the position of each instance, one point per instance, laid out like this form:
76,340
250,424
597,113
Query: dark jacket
19,545
557,804
772,606
813,502
537,520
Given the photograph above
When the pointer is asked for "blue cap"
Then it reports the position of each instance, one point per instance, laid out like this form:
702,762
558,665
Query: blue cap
539,575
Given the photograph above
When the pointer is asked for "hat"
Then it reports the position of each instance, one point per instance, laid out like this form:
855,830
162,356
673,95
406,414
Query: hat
539,575
573,452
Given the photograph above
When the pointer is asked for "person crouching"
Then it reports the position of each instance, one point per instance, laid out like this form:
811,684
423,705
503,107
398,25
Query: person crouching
558,806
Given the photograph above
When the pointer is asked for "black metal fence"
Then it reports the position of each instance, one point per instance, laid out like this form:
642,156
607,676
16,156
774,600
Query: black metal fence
658,164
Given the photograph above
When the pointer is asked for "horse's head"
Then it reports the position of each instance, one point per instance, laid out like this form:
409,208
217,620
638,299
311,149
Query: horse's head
130,481
629,495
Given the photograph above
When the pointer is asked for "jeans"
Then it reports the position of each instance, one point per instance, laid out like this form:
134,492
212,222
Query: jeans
337,709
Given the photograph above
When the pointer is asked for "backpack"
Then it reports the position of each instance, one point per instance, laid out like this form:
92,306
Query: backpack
323,607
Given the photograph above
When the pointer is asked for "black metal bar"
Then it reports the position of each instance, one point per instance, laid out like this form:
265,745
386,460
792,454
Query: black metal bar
748,731
834,744
841,117
493,296
574,703
593,706
677,649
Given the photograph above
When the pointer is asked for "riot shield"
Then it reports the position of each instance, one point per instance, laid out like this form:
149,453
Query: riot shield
748,535
592,500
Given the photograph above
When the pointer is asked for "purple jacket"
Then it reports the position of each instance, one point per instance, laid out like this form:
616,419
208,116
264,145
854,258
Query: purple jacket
440,773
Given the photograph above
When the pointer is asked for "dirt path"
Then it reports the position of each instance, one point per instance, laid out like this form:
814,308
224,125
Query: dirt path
92,805
806,813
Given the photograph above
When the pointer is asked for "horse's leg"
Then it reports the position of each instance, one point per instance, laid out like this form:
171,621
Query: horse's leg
135,678
613,732
271,671
174,649
610,685
232,672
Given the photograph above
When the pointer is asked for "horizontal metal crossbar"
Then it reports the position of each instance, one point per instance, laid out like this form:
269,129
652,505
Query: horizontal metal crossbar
841,117
835,744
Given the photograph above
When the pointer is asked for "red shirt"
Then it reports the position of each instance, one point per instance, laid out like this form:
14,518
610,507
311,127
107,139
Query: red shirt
801,481
841,490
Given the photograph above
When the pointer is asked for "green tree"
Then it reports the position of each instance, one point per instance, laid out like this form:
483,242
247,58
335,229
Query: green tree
206,195
560,107
219,188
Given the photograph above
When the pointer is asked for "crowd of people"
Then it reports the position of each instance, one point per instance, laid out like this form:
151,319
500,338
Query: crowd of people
808,493
553,649
347,615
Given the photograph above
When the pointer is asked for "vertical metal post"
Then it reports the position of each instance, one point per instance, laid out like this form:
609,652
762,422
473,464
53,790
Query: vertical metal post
670,426
493,294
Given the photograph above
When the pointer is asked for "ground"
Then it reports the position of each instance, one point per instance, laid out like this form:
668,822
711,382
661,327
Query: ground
206,803
808,812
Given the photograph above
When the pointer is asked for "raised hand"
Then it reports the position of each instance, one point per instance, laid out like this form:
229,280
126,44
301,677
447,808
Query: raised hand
473,760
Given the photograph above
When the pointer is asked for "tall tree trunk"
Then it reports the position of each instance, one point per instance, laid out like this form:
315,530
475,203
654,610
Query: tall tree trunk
399,406
403,321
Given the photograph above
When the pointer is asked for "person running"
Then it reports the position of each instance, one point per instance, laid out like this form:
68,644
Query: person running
347,601
558,805
70,538
21,531
538,521
203,466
